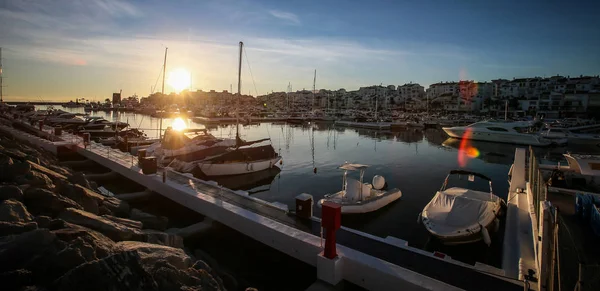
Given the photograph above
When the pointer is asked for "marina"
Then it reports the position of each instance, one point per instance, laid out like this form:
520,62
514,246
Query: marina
270,199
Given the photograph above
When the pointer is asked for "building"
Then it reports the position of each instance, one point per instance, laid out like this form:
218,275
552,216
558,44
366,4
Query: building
411,91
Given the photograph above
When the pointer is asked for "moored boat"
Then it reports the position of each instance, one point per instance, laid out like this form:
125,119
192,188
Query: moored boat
358,197
504,132
459,215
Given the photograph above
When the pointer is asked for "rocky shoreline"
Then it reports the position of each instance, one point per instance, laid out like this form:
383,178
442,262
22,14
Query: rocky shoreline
57,232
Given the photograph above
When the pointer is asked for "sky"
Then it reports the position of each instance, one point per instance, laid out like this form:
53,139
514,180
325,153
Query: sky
67,49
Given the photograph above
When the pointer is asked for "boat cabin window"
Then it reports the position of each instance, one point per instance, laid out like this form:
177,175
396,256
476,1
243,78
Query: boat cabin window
497,129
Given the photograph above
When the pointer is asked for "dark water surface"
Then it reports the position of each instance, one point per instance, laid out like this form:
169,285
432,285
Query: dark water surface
415,161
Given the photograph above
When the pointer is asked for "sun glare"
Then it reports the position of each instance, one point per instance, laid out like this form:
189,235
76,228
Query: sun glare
178,124
466,151
179,79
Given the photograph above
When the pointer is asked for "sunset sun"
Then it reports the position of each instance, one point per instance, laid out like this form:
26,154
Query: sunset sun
179,79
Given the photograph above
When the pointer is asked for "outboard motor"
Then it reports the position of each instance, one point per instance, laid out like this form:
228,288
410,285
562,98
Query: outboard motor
379,182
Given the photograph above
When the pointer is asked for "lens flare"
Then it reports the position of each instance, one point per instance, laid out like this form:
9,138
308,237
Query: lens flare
466,151
178,124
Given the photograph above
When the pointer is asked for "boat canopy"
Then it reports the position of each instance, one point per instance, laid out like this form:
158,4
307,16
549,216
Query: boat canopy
459,210
353,167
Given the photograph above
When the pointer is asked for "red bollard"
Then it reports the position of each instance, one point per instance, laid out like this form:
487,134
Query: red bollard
331,220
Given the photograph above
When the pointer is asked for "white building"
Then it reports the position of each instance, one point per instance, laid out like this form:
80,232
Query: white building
411,91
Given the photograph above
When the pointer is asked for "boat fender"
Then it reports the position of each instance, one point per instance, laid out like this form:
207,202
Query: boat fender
420,218
486,236
378,182
281,162
496,224
315,170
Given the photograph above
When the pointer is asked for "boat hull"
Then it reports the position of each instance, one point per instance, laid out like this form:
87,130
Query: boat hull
239,168
523,139
366,206
467,238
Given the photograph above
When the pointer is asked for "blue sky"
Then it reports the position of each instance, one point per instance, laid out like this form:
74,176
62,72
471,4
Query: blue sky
64,49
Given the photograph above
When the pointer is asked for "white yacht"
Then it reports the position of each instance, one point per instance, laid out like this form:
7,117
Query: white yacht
520,132
571,136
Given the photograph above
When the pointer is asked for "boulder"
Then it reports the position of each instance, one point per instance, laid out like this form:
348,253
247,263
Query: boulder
102,245
43,202
79,179
15,280
118,272
15,154
11,192
5,172
124,221
19,169
35,179
152,253
116,207
17,251
113,230
54,176
150,221
49,223
87,198
8,228
58,169
169,277
163,238
14,211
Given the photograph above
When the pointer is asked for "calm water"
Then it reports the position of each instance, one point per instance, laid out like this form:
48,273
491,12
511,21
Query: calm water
415,161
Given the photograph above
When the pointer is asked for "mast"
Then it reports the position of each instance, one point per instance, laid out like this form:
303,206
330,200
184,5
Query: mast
163,91
506,110
237,121
314,89
1,96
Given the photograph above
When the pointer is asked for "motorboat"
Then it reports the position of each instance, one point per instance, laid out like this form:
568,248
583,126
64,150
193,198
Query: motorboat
459,215
581,174
520,132
188,145
358,197
571,135
101,123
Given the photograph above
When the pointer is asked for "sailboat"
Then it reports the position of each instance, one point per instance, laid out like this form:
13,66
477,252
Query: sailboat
245,157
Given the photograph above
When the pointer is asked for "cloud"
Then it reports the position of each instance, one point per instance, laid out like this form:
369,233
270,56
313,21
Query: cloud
291,18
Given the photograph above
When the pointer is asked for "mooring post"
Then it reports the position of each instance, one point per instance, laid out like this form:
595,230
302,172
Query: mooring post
329,264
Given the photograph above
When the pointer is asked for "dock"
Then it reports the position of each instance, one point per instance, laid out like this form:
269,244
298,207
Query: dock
368,261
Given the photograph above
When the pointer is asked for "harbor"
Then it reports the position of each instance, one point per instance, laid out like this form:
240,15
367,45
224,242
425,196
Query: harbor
393,228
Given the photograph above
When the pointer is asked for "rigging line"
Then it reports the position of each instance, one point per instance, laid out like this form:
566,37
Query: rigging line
157,78
250,69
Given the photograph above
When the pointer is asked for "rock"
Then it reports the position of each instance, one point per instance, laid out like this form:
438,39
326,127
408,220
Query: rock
79,179
58,169
116,207
36,179
124,221
33,159
49,223
11,192
150,221
113,230
43,202
201,265
169,277
19,169
152,253
163,238
54,176
17,251
88,199
102,245
7,228
5,163
15,280
14,211
118,272
103,210
15,154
